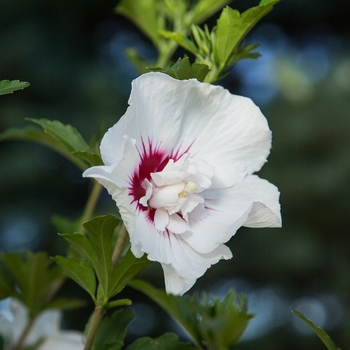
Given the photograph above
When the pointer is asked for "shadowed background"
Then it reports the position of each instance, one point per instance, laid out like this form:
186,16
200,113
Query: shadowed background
72,54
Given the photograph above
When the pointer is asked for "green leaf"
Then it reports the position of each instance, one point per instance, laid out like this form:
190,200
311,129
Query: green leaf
88,157
67,135
167,341
178,307
143,13
183,70
126,271
181,39
70,139
33,134
223,322
319,331
8,87
79,271
232,27
206,8
100,232
34,278
83,246
112,330
219,323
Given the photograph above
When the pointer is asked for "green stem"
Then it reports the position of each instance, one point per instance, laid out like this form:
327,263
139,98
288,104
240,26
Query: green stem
25,332
95,322
165,50
123,235
90,205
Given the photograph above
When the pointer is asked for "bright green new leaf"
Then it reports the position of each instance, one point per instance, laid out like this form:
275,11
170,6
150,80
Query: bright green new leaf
267,2
183,70
181,39
232,27
112,330
167,341
8,87
319,331
205,8
79,271
143,13
126,271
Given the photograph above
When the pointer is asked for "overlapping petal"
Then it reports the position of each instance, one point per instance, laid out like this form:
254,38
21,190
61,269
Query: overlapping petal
179,164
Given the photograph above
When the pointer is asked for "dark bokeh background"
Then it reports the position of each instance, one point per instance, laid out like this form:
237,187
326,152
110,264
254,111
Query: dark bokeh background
72,54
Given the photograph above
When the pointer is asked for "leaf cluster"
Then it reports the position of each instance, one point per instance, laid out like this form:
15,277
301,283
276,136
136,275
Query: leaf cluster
169,23
32,279
223,46
153,16
217,323
94,263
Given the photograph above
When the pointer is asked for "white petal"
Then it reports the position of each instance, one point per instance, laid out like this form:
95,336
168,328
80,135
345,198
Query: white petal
184,116
171,250
161,219
227,129
120,171
177,224
127,209
187,265
149,189
166,196
230,208
175,284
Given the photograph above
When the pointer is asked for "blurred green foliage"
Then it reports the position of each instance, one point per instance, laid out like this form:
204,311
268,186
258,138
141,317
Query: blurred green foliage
56,47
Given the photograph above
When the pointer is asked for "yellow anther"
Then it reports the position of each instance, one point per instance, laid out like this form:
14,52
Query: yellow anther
189,188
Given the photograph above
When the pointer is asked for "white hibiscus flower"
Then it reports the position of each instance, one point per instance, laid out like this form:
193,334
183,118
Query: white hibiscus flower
179,165
46,328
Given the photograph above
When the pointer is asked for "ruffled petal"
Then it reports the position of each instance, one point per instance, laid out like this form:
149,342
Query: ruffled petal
170,250
205,120
174,284
177,224
182,177
229,209
188,265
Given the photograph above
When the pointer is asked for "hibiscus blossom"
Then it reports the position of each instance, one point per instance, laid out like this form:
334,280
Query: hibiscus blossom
179,165
45,329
